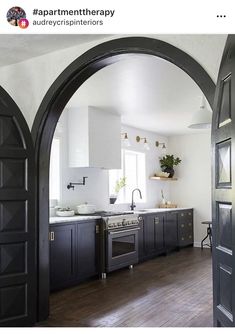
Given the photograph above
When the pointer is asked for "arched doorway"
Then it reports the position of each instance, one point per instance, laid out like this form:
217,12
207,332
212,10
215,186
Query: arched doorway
53,105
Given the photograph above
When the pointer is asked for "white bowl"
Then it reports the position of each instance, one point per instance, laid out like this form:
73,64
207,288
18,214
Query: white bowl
68,213
86,208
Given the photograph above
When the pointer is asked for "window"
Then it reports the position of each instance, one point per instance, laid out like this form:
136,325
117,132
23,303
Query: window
55,169
133,168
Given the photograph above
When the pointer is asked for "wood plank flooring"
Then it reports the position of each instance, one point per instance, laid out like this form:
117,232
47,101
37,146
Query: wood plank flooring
169,291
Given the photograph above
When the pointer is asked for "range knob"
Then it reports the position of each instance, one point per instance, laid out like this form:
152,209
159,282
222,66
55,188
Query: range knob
120,224
111,225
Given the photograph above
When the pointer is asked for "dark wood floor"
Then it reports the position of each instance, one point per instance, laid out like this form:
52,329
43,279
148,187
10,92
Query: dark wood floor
168,291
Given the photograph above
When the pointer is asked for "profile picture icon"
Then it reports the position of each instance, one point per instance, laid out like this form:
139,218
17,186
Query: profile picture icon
16,15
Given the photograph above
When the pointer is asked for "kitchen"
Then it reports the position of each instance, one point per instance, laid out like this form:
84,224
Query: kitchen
94,152
152,101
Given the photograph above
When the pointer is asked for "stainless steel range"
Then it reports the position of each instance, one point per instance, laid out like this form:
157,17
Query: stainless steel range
120,233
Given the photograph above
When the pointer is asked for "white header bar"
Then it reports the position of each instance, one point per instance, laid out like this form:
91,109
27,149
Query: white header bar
118,17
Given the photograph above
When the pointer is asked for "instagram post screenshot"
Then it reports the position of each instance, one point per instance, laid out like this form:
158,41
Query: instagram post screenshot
117,160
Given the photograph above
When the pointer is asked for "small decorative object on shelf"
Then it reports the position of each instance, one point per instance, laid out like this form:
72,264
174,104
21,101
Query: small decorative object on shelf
168,206
167,164
162,174
163,198
163,178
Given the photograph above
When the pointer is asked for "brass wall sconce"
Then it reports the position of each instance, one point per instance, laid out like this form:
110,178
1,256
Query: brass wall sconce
158,144
125,139
146,145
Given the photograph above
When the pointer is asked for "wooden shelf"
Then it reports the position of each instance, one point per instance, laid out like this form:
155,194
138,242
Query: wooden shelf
163,178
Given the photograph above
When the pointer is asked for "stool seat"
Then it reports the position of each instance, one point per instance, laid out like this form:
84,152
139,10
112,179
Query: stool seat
208,235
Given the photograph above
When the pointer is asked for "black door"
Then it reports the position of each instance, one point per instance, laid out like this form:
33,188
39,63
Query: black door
62,255
223,180
17,218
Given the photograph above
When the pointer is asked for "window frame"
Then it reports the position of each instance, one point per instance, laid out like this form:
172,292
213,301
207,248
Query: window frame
58,138
138,155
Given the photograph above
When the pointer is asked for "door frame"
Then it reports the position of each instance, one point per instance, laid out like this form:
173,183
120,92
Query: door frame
53,104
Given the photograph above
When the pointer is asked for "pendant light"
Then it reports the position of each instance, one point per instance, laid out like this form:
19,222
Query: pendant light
201,118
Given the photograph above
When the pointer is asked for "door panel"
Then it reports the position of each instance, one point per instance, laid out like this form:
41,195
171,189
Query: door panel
17,218
62,255
171,231
223,219
159,233
87,249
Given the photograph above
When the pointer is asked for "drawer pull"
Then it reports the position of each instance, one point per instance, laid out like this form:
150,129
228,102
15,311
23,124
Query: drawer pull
190,213
190,237
97,229
156,220
182,214
182,225
182,239
52,236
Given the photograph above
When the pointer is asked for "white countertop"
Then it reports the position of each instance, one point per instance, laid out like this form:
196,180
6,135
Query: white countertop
71,219
139,212
156,210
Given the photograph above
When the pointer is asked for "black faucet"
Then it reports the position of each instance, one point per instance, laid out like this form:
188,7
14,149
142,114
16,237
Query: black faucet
132,196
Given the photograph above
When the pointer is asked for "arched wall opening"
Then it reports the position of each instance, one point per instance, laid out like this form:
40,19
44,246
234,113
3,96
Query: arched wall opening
53,105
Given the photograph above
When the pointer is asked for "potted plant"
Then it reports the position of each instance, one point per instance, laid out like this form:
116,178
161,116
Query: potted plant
118,186
168,162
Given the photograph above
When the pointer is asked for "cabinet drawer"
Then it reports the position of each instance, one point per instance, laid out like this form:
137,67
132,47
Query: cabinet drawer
186,239
185,227
186,215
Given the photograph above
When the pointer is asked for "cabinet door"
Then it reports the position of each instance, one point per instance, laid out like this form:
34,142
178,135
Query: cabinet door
141,238
159,232
149,235
62,255
171,231
87,237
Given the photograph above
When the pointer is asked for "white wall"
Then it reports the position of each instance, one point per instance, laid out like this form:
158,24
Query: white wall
27,82
96,190
193,188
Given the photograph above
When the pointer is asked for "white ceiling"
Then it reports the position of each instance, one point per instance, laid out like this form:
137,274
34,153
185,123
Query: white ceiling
17,48
148,92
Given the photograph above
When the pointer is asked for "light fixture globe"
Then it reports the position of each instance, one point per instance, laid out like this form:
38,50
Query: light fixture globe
201,118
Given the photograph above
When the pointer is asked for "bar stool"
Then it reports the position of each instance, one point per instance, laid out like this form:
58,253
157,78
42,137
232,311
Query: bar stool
208,235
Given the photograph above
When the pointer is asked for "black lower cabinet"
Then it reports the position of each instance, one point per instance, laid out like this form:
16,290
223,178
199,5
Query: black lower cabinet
141,238
171,230
73,253
87,249
159,233
185,228
62,255
151,240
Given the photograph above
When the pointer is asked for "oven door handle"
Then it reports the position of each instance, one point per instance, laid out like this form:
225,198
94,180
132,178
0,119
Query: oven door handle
123,231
